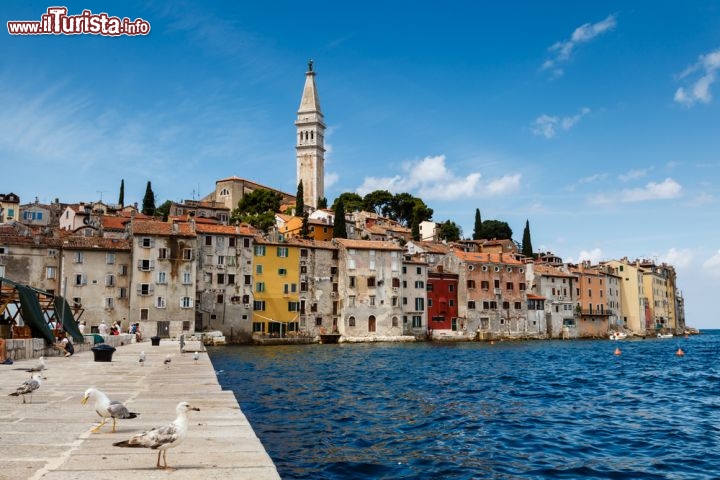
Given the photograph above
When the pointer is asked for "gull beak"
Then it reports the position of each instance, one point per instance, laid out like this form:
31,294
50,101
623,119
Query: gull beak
195,408
84,400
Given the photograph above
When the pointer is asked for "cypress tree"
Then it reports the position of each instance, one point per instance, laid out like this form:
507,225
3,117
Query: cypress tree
305,231
121,199
477,231
527,248
148,205
340,229
300,200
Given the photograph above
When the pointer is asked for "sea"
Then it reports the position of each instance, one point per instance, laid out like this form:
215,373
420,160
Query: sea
508,410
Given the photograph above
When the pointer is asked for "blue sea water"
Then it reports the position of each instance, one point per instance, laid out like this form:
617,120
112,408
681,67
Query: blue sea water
537,409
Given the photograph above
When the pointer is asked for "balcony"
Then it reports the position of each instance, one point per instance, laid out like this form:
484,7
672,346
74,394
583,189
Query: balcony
594,313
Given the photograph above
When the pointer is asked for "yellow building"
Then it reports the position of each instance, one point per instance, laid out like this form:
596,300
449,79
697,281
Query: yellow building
317,229
276,305
658,281
633,302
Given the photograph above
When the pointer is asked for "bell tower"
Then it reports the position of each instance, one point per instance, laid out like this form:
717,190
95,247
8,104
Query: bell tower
310,145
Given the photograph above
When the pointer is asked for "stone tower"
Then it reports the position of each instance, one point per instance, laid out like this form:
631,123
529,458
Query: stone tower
310,142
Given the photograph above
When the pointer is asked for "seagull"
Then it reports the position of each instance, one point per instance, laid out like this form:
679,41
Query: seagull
106,408
167,361
196,356
39,367
28,386
162,438
142,358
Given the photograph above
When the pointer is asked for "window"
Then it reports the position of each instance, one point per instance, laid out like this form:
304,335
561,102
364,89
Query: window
77,302
282,271
351,301
145,289
260,287
123,270
259,305
110,258
521,286
110,280
509,286
471,284
496,283
259,269
451,288
208,240
416,321
419,304
122,292
231,279
186,302
419,284
485,285
220,298
259,250
318,321
187,254
352,281
282,252
351,322
371,281
506,305
419,270
146,242
372,299
371,323
429,287
187,278
221,260
247,279
109,303
144,313
51,272
160,302
293,306
395,321
221,279
518,306
80,279
162,277
394,301
78,257
471,305
162,253
146,265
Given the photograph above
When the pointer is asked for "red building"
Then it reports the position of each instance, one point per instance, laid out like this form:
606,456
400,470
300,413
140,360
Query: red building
442,295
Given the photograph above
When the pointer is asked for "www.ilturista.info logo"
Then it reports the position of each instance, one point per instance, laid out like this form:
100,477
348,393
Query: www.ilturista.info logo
57,22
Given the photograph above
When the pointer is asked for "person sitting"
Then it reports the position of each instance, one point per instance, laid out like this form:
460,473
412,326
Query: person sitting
65,345
114,330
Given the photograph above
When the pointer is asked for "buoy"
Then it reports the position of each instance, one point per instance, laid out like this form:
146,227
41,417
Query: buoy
617,351
680,352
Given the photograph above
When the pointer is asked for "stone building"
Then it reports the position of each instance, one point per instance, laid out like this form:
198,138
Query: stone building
224,280
319,290
310,146
163,277
591,295
369,307
556,288
9,207
415,302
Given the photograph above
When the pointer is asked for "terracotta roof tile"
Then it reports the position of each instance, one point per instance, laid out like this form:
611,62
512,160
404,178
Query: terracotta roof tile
472,257
367,244
154,227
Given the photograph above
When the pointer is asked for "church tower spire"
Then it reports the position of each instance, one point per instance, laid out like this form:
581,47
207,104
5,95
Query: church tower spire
310,145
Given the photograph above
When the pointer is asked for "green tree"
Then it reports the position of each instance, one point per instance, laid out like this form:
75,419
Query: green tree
300,200
527,248
148,205
351,201
405,208
378,201
449,231
496,229
477,231
257,208
322,202
305,230
121,199
339,229
164,209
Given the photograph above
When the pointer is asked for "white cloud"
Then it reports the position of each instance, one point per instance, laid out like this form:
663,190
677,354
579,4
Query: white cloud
594,256
593,178
712,265
632,174
562,51
331,179
678,258
668,189
547,125
699,91
430,178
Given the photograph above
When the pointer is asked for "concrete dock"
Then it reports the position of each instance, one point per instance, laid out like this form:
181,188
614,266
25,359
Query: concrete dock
50,438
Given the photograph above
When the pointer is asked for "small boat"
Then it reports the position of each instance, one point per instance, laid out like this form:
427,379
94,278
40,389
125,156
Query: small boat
665,335
326,338
618,335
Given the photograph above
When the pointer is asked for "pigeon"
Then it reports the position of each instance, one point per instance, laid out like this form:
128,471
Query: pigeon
28,386
167,361
196,355
162,438
106,408
141,359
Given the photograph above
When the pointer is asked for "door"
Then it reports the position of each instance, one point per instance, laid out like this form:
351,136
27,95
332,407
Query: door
163,329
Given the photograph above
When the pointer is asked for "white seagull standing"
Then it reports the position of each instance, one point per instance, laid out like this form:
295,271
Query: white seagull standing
141,359
39,367
196,355
106,408
28,387
162,438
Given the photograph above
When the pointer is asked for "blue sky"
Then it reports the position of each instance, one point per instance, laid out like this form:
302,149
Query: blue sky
595,121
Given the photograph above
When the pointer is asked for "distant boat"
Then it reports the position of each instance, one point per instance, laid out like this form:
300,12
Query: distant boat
618,335
665,335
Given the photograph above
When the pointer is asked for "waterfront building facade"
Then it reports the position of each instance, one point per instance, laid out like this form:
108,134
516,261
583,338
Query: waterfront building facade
633,303
412,290
442,299
555,289
319,287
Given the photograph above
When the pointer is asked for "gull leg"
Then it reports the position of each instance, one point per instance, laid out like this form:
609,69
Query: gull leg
158,462
113,429
97,429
